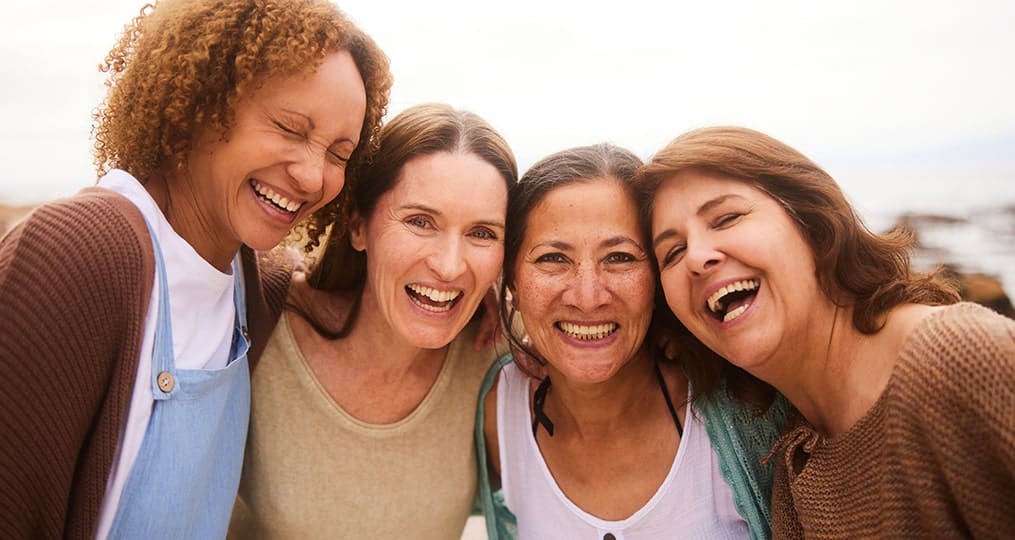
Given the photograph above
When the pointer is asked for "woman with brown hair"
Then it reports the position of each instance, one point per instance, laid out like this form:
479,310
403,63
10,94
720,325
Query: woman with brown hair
906,399
610,441
364,399
134,311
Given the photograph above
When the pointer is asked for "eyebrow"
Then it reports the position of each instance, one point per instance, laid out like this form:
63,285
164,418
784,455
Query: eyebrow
608,243
703,209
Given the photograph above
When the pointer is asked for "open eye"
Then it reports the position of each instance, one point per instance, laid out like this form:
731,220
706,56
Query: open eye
482,233
552,257
420,221
620,257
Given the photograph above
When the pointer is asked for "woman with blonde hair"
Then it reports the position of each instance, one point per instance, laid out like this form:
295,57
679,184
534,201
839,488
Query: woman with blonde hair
134,310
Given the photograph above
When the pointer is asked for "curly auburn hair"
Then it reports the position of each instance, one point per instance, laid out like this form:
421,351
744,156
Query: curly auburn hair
182,65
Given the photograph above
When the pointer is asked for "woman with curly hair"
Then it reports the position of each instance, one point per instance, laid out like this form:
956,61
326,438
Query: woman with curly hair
134,310
905,396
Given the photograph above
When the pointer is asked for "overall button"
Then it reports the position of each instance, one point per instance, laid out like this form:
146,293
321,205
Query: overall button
166,381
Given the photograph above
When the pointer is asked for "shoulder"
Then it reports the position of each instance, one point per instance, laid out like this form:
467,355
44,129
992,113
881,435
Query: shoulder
962,357
954,340
96,238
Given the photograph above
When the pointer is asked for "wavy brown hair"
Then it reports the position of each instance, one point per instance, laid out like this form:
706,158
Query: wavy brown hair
421,130
182,65
854,267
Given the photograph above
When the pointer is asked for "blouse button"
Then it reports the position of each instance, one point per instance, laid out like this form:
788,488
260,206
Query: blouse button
609,536
166,382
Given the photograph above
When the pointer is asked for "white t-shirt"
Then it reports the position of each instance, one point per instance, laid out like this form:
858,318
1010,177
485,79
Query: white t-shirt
202,315
693,501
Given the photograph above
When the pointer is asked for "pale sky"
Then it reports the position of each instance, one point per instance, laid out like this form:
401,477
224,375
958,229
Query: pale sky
864,87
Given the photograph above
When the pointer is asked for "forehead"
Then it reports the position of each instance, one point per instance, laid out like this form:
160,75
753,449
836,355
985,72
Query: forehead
595,206
458,180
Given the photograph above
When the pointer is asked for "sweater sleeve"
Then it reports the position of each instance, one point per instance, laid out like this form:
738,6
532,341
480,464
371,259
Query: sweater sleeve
961,396
74,286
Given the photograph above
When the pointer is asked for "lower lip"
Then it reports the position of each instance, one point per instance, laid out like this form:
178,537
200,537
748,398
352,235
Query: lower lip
747,313
443,314
274,212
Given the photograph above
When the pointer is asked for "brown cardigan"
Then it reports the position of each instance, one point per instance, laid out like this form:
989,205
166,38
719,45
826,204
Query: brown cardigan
934,457
75,281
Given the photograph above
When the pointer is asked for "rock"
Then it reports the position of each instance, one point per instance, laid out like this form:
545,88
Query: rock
983,289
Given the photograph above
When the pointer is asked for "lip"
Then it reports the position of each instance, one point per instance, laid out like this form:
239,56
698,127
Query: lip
277,214
453,308
715,286
588,343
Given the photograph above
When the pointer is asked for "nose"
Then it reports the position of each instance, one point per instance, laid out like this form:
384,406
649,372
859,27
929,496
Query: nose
447,260
309,170
702,257
587,291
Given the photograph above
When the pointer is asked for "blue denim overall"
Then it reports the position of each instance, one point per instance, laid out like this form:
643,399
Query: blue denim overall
185,479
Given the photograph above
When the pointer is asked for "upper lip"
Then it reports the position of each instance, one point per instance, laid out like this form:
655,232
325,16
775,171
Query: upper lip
285,197
715,287
416,286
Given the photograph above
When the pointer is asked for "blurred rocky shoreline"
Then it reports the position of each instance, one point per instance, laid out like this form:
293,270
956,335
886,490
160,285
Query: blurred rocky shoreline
977,251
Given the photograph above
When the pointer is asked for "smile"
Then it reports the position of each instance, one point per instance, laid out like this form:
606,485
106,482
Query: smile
268,195
587,332
732,301
432,299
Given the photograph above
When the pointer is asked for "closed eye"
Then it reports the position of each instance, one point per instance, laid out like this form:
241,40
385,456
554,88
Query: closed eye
287,129
338,157
726,220
671,256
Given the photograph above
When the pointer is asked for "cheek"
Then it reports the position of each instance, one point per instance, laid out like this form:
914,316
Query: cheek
675,292
486,266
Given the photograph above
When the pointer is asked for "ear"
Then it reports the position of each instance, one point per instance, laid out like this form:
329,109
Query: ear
357,232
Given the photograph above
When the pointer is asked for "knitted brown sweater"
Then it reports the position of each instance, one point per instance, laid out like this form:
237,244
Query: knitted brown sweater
75,281
934,457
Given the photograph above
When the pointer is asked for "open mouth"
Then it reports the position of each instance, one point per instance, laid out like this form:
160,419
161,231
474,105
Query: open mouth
732,301
269,196
587,332
432,299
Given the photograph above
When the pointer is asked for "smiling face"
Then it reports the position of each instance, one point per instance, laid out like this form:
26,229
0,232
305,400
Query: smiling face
434,246
583,281
735,268
283,157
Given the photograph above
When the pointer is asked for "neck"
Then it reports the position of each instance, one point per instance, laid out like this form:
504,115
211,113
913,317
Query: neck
834,376
378,348
601,409
178,202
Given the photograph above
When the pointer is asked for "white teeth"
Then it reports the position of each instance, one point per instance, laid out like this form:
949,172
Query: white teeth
434,294
280,201
734,314
598,331
715,301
